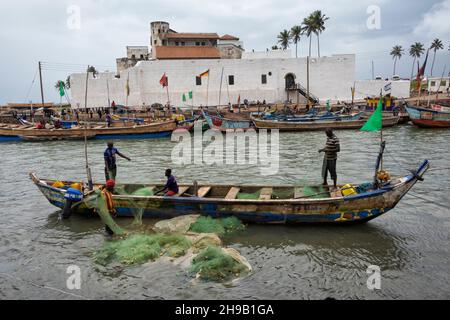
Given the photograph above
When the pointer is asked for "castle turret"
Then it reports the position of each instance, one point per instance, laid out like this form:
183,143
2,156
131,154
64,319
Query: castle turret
157,28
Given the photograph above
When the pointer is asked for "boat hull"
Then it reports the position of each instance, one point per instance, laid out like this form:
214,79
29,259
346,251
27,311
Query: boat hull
339,210
155,130
226,125
428,118
319,125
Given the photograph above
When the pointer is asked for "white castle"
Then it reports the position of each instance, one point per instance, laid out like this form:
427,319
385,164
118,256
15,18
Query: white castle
272,75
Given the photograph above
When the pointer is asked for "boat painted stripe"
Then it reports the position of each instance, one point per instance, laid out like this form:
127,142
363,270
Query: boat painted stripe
152,135
10,138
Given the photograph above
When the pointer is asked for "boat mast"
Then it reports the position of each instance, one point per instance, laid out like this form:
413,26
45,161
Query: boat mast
40,80
307,81
88,170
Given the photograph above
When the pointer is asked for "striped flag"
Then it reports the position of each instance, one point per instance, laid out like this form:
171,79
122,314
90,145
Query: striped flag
204,74
388,87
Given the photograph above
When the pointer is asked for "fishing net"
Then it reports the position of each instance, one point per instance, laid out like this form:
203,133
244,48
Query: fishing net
248,196
140,248
315,192
213,264
217,226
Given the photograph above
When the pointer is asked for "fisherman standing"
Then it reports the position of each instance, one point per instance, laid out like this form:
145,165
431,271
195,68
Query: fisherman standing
331,149
110,161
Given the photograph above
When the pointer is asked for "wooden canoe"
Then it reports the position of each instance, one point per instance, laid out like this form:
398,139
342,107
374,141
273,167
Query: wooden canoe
220,123
319,125
269,204
152,130
435,117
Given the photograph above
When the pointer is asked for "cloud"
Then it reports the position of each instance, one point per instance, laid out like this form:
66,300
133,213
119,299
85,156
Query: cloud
436,22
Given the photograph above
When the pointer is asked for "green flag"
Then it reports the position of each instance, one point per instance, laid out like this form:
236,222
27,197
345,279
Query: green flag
190,95
184,97
375,121
61,88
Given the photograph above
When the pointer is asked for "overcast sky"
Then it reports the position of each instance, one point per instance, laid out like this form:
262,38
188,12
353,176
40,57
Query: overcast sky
37,30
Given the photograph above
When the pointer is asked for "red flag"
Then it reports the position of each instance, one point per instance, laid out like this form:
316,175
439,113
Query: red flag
421,71
239,100
164,81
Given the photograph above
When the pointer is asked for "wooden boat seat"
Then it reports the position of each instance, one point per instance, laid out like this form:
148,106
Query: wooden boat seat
232,194
203,191
266,194
98,127
182,190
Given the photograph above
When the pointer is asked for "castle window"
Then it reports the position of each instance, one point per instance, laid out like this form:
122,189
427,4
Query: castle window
142,57
197,43
183,43
154,42
177,43
231,80
198,81
264,78
203,43
133,56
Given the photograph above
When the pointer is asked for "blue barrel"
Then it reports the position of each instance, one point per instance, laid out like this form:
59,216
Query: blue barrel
72,196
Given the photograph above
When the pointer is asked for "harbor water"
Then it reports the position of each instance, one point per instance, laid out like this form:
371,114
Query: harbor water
409,244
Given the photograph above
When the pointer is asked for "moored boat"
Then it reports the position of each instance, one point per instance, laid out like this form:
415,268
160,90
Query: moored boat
217,122
334,124
435,117
23,132
259,204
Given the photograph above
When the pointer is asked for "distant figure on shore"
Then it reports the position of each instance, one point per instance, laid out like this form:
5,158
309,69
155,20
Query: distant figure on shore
331,149
107,196
110,161
171,187
108,120
99,112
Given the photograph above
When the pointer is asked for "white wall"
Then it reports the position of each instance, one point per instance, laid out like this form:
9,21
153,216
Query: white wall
365,88
330,78
271,54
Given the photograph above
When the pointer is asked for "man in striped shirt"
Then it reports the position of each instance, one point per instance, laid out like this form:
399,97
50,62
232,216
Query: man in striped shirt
331,149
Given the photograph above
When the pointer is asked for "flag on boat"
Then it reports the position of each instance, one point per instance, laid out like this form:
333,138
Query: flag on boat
61,88
388,87
191,95
421,71
204,74
184,97
164,81
375,121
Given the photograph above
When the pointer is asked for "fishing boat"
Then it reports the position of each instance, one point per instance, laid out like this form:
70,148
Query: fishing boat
336,123
10,132
217,122
252,203
435,117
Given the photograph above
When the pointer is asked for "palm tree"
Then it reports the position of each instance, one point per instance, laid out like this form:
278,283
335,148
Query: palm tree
284,38
68,82
396,53
416,50
318,20
435,45
93,70
296,32
275,47
309,28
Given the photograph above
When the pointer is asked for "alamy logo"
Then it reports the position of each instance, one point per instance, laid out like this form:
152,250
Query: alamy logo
235,147
374,280
74,280
373,22
74,19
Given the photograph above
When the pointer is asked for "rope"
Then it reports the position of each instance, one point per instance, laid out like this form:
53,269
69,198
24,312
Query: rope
31,86
412,194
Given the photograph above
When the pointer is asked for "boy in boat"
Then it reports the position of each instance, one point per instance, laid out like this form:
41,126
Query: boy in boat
171,187
107,196
331,149
110,161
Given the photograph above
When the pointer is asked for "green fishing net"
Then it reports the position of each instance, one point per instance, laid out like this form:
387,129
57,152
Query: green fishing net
248,196
315,192
217,226
140,248
213,264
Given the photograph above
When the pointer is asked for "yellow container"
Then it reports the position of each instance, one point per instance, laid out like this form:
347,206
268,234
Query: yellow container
348,190
76,185
58,184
